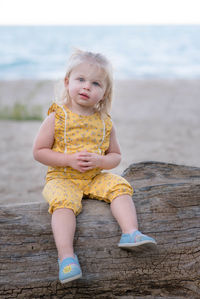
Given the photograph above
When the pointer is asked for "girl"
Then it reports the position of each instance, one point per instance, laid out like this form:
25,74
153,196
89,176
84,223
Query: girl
77,140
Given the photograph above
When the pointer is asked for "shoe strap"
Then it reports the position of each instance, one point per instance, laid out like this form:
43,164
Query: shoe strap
68,261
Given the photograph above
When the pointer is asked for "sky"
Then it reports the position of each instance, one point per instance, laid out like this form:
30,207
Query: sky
99,12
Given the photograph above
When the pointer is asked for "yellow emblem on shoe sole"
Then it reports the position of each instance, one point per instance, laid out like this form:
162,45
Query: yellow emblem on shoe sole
67,269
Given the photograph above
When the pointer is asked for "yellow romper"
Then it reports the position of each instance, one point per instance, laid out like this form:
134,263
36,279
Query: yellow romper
65,187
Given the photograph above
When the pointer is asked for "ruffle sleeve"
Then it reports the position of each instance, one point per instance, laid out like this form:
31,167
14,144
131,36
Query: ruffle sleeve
59,114
52,108
60,120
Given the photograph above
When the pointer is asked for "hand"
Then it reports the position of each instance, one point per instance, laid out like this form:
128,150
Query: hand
84,161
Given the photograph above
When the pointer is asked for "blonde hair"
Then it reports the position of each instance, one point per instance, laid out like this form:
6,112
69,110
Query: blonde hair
78,57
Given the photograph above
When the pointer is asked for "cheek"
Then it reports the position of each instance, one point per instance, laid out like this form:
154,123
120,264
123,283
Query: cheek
98,95
101,94
73,89
103,91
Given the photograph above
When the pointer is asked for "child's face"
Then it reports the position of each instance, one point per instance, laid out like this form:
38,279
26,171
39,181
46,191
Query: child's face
86,86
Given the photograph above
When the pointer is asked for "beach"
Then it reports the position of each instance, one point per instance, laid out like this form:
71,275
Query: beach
156,120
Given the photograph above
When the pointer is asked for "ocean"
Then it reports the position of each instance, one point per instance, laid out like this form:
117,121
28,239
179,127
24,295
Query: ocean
41,52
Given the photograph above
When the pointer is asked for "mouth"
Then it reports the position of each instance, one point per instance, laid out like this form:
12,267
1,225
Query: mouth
84,95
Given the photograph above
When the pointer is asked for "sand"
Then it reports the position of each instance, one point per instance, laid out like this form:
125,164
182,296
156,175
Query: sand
156,120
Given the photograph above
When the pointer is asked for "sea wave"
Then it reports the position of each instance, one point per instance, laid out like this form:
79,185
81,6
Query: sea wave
41,52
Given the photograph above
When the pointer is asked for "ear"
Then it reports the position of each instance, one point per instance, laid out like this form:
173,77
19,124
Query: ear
66,81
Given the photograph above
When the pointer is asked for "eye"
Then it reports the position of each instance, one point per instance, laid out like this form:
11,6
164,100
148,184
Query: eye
80,79
96,83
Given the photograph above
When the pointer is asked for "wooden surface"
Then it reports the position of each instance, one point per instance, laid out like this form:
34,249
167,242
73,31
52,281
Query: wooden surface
167,199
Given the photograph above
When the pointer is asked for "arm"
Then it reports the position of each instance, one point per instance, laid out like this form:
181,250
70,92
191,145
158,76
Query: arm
43,153
113,154
42,148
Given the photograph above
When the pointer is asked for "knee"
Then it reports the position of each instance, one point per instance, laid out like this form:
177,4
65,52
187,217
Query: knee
55,205
122,190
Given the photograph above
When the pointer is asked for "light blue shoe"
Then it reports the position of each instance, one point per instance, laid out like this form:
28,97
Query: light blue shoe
69,269
136,241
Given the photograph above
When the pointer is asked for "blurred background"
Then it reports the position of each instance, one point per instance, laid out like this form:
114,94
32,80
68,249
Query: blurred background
154,47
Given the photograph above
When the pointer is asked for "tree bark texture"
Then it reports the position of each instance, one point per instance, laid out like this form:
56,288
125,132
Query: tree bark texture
167,199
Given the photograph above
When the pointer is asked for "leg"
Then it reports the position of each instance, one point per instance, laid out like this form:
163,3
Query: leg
64,199
123,209
63,226
118,192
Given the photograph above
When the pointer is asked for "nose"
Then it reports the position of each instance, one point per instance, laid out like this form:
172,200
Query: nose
86,85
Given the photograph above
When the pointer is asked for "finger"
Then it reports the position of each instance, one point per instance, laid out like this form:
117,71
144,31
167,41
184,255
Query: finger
83,169
84,158
85,164
86,168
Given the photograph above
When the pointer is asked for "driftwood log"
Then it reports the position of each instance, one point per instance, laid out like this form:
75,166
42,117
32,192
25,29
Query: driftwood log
167,198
